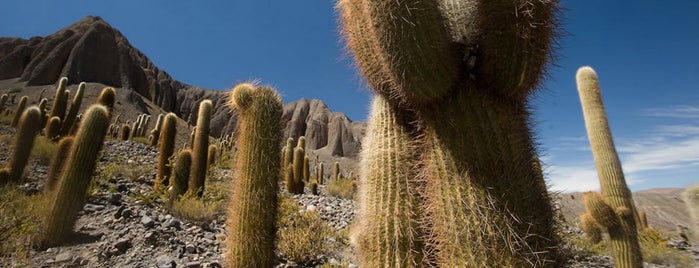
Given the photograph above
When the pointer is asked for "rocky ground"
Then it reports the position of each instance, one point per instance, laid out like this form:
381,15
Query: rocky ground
122,225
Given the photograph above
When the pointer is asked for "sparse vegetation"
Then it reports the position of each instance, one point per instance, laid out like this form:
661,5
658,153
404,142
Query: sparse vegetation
43,150
302,235
197,210
342,188
20,223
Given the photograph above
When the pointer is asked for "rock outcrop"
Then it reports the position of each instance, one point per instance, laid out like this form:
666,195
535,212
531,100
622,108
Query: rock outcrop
90,50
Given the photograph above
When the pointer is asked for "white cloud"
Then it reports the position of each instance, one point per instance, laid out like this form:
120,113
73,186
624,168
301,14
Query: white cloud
678,111
573,178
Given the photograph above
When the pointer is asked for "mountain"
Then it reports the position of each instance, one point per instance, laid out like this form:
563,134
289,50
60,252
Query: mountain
92,51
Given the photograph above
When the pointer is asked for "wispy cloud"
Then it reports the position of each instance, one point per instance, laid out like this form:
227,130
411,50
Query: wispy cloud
659,148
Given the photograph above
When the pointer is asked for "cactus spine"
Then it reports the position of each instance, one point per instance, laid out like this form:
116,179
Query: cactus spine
73,111
253,206
24,141
487,202
591,228
57,161
20,109
166,149
615,211
389,232
76,176
180,176
200,149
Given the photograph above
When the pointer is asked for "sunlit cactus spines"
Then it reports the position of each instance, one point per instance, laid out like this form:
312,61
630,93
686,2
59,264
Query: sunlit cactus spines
57,161
76,176
166,147
70,118
53,128
297,171
60,100
20,109
253,207
107,98
27,130
288,152
614,209
200,148
211,155
180,176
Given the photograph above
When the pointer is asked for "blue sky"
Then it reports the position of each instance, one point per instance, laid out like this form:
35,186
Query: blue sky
646,54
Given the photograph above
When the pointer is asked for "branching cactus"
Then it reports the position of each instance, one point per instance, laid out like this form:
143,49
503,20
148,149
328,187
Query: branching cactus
180,176
389,231
487,202
165,151
73,182
60,100
57,161
19,111
73,111
155,133
615,209
24,141
200,148
253,207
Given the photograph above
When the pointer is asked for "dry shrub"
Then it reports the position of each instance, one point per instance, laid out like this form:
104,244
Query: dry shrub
654,249
342,188
21,219
302,236
196,210
43,150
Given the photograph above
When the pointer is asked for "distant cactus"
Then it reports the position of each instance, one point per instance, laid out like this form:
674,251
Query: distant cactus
253,206
57,161
60,100
306,169
211,157
302,143
107,98
155,133
314,188
76,176
288,152
180,176
20,109
643,223
69,120
297,168
616,210
200,149
289,182
24,141
336,171
165,150
42,108
125,132
53,128
321,176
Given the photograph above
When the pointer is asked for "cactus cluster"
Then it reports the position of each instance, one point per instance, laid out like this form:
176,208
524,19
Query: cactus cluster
252,213
485,200
614,210
295,170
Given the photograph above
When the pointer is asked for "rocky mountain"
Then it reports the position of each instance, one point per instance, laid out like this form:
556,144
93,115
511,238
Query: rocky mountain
90,50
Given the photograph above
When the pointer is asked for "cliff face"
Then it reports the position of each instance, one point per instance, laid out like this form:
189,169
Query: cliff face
90,50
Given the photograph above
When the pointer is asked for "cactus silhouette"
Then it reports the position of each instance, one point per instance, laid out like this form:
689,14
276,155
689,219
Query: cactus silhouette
200,148
165,150
19,111
253,207
487,202
57,161
24,141
388,227
69,120
615,210
75,178
180,176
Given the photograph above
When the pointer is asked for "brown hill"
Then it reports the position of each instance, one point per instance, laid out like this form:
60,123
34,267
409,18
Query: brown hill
92,51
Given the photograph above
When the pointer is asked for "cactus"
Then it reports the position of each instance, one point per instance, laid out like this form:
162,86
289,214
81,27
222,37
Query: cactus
487,203
3,100
591,228
253,207
73,111
388,227
297,168
125,132
53,128
57,161
60,100
619,218
166,149
155,133
200,149
24,141
107,98
336,171
289,182
72,187
19,111
321,177
314,188
306,169
211,157
180,176
288,152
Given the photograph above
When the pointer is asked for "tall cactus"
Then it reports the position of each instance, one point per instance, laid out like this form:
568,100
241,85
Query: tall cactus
76,176
166,149
22,147
321,175
388,227
297,169
487,202
155,133
253,206
60,100
19,111
200,149
615,210
69,120
288,153
180,176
